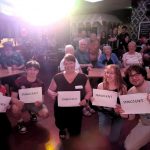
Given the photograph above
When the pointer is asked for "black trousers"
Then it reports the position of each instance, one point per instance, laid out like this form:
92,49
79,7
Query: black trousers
5,130
68,117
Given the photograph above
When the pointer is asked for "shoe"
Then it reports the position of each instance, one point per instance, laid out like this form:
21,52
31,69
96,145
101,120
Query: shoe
62,134
21,127
33,117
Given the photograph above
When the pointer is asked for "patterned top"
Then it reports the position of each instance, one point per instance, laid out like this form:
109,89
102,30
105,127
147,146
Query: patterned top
22,83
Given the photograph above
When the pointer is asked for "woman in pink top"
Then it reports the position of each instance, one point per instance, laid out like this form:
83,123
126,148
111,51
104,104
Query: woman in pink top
132,57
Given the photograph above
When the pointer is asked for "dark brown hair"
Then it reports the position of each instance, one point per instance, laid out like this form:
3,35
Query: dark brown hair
69,57
33,63
138,69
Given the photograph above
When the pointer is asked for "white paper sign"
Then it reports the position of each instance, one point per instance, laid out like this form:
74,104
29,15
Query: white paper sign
135,103
68,98
4,103
104,98
30,95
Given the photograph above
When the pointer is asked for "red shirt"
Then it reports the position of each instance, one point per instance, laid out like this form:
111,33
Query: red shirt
3,89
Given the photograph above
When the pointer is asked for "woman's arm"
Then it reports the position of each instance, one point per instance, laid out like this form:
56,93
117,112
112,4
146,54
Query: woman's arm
88,93
116,60
140,59
124,60
52,89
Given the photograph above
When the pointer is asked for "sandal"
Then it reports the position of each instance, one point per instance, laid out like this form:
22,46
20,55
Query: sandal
62,134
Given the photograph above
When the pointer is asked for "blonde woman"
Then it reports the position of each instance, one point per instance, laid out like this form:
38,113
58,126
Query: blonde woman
110,123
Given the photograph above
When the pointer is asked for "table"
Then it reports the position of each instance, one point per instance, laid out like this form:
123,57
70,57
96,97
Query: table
99,73
4,73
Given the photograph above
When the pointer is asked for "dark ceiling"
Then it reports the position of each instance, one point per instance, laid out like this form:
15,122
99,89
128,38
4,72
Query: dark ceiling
120,8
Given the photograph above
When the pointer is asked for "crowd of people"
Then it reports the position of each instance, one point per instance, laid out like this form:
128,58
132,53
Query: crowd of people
110,53
114,48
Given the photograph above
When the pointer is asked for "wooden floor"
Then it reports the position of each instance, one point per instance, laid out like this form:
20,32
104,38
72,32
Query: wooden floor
44,134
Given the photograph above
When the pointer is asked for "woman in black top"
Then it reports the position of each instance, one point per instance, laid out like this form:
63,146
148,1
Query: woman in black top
69,118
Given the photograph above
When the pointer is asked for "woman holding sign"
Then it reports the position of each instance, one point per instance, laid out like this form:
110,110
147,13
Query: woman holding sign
71,91
110,123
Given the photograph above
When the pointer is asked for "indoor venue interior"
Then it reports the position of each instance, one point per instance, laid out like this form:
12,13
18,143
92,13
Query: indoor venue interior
74,75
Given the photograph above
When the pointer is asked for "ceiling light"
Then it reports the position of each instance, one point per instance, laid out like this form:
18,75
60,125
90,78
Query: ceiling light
93,1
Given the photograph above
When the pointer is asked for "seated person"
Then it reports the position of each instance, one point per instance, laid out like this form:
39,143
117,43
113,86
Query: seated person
94,51
69,49
10,57
113,40
107,58
132,57
82,55
146,54
30,80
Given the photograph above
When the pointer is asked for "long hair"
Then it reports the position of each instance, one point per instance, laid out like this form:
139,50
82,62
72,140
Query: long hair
119,82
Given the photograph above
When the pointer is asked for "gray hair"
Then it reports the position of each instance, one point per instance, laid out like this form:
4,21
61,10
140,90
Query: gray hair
69,46
107,47
83,40
132,42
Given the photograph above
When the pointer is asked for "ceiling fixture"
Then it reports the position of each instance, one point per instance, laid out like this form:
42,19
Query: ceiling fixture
93,1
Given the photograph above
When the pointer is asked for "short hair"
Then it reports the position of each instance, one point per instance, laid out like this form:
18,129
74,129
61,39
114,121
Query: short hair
83,40
138,69
69,57
33,63
107,47
69,46
132,42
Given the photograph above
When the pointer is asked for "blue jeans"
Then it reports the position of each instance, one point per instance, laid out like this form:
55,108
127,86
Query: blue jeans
110,126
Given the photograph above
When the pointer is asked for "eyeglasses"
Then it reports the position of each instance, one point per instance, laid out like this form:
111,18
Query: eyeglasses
134,75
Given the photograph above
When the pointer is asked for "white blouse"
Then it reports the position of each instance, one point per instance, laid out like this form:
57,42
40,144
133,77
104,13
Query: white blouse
130,59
